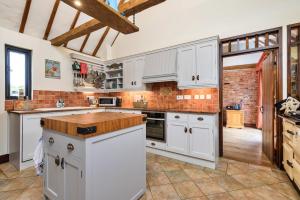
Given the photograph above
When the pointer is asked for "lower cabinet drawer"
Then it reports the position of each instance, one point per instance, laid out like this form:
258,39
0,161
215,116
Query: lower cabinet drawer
288,159
296,173
177,117
156,145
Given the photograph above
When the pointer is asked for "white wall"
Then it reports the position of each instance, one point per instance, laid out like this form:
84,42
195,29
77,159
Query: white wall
252,58
41,50
178,21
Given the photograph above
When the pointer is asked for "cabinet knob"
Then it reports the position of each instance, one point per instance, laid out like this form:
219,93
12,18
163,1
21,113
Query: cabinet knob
185,129
177,117
134,82
70,147
131,82
62,164
51,140
57,160
193,78
152,144
200,119
198,77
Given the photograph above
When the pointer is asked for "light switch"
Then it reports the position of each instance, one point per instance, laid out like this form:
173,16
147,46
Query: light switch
187,97
202,96
179,97
196,97
208,96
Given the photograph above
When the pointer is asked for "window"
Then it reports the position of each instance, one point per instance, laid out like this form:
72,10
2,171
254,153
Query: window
17,72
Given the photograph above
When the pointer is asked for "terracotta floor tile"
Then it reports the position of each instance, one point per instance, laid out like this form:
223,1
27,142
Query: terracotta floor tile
237,168
198,198
228,183
245,194
196,173
177,176
281,175
214,173
154,167
170,166
147,195
267,193
2,175
223,196
164,192
157,178
247,180
264,177
187,189
32,194
10,195
286,189
16,184
208,186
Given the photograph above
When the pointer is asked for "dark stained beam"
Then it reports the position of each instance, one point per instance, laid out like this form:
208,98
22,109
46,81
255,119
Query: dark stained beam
73,23
100,41
84,42
104,13
51,19
115,39
80,31
25,16
132,7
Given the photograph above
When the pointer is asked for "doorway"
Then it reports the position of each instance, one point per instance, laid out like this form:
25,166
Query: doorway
248,122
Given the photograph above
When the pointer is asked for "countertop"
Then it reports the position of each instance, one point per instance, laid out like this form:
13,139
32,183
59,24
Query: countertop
294,121
101,123
176,110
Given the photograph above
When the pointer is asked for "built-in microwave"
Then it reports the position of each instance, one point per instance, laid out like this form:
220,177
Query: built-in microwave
110,101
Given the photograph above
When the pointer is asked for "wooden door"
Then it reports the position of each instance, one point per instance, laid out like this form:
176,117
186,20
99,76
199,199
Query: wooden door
201,141
269,75
187,66
177,137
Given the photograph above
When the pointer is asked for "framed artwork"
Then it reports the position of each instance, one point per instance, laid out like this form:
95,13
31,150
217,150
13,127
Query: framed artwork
52,69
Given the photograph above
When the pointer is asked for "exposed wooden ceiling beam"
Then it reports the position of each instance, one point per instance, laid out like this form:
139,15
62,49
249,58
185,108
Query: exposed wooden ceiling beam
132,7
73,23
104,13
100,41
84,42
25,16
82,30
115,39
51,19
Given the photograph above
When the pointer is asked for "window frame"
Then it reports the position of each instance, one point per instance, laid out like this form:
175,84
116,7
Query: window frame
28,70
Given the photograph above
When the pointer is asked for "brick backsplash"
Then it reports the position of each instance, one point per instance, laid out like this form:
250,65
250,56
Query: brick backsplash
161,95
239,85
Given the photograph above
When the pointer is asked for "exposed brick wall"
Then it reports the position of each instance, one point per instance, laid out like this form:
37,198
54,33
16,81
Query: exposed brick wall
238,85
162,95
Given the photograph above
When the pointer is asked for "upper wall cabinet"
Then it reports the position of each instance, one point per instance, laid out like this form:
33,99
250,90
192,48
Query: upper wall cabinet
133,73
198,65
160,66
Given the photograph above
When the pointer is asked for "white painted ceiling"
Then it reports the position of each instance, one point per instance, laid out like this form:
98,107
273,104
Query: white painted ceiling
11,12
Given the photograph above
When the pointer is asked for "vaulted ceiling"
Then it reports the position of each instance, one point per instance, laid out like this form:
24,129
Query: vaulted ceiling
51,19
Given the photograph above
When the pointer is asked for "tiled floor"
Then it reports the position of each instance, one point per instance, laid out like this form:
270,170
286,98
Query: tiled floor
244,145
168,179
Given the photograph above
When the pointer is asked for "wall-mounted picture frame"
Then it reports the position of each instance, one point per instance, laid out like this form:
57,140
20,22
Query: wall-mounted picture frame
52,69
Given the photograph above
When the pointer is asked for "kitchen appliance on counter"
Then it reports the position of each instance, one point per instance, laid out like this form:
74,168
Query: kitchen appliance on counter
155,127
110,101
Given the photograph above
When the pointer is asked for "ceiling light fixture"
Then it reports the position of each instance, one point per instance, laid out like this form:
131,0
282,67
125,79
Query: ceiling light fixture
77,3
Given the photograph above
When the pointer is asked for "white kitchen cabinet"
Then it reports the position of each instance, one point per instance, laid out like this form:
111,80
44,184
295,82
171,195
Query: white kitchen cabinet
198,64
160,66
133,73
177,137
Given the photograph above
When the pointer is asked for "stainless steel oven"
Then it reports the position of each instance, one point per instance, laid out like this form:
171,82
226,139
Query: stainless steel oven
155,127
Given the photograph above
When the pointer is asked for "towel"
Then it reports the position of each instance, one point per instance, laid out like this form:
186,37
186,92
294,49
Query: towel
38,157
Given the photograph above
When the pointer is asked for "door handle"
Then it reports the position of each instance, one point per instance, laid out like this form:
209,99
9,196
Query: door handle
57,160
62,164
190,131
193,78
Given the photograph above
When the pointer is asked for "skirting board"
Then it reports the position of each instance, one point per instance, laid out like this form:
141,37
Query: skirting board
195,161
4,158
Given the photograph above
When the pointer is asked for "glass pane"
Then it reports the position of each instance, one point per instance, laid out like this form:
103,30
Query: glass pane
234,46
261,41
273,39
242,44
252,43
17,73
225,47
294,70
294,34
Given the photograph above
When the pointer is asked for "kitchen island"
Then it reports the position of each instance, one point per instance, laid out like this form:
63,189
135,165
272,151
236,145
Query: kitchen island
94,156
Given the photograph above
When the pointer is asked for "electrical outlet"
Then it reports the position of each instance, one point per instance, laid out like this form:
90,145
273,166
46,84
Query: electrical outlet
202,96
179,97
196,97
208,96
90,97
187,97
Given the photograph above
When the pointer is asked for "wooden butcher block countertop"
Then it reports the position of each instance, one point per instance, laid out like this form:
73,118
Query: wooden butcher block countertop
96,123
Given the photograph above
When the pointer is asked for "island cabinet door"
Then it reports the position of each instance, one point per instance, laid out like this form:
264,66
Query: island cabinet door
53,175
201,141
177,137
73,187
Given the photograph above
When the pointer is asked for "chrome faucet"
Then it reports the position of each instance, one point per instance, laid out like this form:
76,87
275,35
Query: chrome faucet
60,103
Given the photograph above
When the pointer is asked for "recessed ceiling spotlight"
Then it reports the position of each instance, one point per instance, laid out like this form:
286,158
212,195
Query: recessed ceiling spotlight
77,3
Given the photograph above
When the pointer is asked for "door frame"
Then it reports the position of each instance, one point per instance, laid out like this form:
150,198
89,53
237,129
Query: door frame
279,84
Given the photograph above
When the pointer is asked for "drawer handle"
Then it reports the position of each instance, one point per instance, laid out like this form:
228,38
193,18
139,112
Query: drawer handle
70,147
185,129
200,118
177,117
57,160
51,140
290,132
153,144
191,132
289,164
